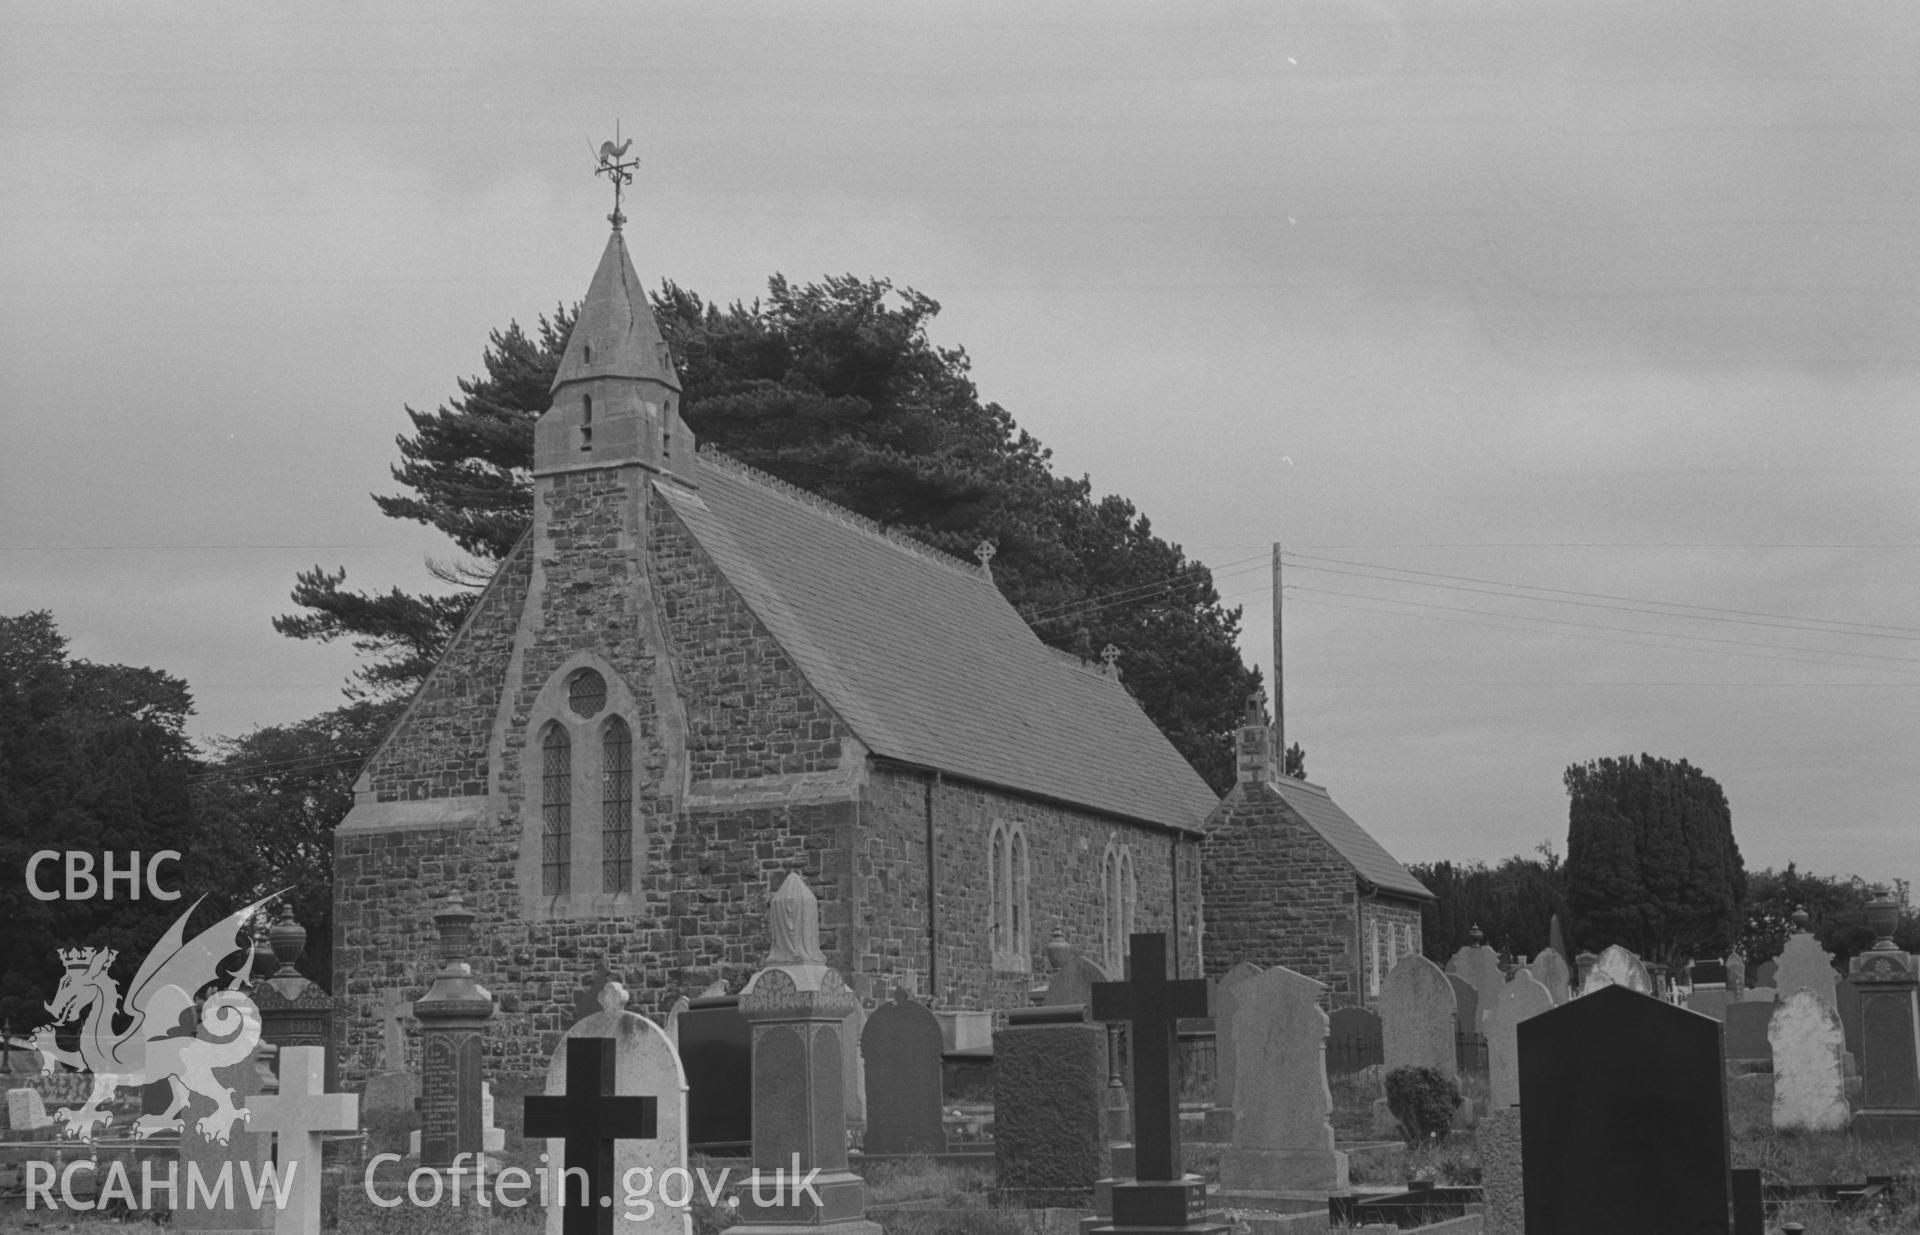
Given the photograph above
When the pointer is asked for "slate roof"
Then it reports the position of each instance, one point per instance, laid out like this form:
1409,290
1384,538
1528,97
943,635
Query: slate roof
1349,839
926,661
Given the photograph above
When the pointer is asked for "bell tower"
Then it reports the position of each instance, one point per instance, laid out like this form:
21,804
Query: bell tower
616,397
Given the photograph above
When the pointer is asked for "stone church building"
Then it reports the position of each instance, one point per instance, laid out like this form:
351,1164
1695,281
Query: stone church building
688,680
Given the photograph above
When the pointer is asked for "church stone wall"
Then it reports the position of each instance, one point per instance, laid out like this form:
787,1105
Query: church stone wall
1064,852
749,710
700,915
1276,893
439,749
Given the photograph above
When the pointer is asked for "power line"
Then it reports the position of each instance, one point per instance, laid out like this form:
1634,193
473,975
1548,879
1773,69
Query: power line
1668,647
1706,613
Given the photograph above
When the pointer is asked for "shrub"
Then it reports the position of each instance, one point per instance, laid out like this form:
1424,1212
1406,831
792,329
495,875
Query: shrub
1423,1100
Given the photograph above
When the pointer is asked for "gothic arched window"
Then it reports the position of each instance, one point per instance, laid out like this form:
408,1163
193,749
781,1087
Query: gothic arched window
1007,871
616,806
556,812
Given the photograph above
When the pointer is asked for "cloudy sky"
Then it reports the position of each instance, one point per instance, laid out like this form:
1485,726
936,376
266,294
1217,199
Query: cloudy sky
1570,350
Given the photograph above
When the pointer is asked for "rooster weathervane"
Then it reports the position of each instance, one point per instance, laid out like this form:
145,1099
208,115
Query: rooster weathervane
615,166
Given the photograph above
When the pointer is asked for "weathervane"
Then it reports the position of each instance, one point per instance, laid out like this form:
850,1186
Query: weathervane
615,166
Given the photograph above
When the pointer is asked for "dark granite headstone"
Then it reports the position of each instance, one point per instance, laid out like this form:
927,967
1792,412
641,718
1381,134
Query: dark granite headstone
1049,1092
902,1045
1709,973
1467,1004
716,1049
1353,1041
1746,1024
1623,1108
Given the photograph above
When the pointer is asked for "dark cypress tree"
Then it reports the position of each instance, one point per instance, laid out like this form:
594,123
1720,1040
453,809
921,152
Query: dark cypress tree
1651,859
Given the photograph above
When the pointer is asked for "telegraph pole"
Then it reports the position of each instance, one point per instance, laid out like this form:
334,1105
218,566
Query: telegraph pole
1279,681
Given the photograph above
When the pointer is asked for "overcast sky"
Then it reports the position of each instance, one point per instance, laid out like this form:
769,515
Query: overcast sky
1620,300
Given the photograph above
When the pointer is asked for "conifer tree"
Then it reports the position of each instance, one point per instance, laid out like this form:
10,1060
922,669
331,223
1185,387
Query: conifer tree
1652,863
834,387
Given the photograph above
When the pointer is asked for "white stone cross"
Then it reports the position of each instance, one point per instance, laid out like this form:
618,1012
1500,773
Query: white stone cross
300,1112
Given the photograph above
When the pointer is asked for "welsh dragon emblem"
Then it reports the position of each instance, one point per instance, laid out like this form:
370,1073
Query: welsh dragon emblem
155,1045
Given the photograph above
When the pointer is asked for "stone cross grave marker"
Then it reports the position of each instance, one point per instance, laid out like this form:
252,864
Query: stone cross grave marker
589,1117
1519,1000
1631,1092
1809,1079
1618,967
392,1010
1418,1013
1161,1194
902,1046
298,1115
1805,965
644,1064
1282,1140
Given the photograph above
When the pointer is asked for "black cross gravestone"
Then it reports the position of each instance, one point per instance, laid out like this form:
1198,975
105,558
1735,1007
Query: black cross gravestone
1161,1194
590,1117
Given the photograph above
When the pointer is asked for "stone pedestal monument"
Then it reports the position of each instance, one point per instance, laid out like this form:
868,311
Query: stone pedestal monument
1889,983
453,1015
797,1007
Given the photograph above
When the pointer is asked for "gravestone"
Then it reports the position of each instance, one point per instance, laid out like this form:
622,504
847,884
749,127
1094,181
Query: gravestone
1353,1040
1219,1124
672,1026
1805,965
1712,1001
1550,970
298,1115
1480,966
1466,1004
796,1005
1889,983
615,1078
1518,1001
1762,976
1417,1017
1282,1140
1746,1031
1618,967
244,1154
1497,1140
391,1086
1049,1093
453,1016
902,1047
26,1111
1846,1001
1161,1196
1758,994
853,1072
1633,1093
584,1122
716,1050
1736,963
586,1000
1073,981
493,1138
1703,974
1809,1078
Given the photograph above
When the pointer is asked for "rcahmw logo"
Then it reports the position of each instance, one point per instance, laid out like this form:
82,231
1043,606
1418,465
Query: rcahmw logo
261,1184
154,1045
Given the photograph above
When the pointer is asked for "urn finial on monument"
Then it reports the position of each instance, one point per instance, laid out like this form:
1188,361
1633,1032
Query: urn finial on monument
294,1009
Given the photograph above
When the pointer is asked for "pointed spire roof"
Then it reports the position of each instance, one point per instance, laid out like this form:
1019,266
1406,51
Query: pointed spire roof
616,335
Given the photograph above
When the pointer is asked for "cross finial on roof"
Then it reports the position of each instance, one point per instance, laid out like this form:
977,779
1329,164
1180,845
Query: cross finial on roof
615,166
984,551
1108,655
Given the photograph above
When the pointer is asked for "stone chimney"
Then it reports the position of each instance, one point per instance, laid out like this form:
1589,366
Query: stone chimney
1259,754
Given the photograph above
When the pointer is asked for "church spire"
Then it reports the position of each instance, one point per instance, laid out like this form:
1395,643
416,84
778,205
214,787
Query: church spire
616,395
